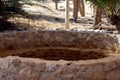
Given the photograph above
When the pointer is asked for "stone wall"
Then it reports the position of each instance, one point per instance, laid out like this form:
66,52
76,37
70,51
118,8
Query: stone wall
15,68
79,40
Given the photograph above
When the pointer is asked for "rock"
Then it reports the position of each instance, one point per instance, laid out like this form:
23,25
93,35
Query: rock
16,68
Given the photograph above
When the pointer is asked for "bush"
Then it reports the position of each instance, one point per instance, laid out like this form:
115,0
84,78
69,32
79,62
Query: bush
12,5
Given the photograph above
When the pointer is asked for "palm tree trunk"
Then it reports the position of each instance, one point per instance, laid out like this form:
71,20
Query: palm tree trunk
98,17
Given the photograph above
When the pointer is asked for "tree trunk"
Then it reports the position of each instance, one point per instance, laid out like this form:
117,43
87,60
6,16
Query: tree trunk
98,17
81,7
56,5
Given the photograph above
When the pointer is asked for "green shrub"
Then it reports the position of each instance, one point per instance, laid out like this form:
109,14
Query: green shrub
12,5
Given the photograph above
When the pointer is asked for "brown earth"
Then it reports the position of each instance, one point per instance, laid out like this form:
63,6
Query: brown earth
64,54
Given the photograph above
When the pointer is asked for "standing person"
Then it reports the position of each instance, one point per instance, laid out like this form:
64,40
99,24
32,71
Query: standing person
78,5
75,12
81,6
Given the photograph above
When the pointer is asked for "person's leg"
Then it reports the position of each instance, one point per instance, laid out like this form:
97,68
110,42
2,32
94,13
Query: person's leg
75,12
81,7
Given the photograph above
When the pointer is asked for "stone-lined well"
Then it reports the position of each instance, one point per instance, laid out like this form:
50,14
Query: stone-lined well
15,68
59,55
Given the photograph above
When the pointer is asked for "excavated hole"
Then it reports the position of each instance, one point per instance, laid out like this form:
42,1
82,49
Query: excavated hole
62,54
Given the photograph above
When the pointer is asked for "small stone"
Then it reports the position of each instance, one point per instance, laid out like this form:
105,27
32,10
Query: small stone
53,68
68,77
109,65
40,67
113,75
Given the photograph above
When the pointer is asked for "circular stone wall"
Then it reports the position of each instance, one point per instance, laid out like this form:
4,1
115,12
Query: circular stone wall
58,42
16,68
59,55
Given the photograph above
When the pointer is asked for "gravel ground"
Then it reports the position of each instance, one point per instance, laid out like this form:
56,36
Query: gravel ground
42,15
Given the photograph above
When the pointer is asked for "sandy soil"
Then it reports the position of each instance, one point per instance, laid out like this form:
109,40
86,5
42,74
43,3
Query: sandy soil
42,15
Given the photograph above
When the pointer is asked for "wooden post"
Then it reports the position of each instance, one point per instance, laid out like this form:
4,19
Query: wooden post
67,15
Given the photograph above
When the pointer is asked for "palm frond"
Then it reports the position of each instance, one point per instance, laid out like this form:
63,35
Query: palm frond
112,7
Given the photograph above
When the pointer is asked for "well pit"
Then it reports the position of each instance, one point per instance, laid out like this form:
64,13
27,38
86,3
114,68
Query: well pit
59,55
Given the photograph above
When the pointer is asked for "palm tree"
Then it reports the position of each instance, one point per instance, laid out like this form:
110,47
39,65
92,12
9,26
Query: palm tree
111,8
13,6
